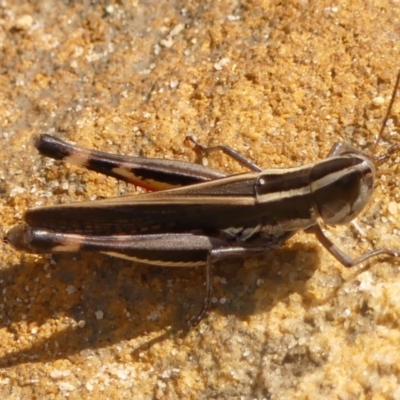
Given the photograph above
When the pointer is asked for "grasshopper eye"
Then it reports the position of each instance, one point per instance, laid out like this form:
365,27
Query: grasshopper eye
341,196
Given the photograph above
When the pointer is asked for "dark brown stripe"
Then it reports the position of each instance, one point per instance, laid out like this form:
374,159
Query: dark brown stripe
283,180
334,164
177,173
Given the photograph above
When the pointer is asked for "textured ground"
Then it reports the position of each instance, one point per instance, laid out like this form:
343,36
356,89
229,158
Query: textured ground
280,82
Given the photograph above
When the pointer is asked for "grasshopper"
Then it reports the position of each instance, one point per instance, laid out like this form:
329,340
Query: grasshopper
195,215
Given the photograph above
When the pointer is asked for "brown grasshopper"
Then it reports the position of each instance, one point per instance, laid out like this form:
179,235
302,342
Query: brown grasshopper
196,215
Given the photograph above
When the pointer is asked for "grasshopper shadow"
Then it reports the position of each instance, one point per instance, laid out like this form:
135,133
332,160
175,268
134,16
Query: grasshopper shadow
264,281
102,300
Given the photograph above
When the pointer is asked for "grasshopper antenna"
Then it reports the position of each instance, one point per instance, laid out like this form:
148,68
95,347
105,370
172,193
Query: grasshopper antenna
385,120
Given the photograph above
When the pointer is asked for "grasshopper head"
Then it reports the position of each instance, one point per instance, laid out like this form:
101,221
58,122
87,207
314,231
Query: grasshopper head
342,186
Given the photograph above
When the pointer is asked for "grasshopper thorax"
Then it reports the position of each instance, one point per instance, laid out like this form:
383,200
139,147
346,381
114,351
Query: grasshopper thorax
341,187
